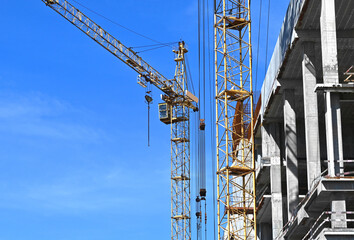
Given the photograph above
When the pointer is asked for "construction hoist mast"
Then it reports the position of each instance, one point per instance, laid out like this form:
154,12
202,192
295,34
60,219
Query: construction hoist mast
175,110
236,198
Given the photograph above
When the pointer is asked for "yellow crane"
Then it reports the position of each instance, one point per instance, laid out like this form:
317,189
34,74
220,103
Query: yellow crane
236,196
174,111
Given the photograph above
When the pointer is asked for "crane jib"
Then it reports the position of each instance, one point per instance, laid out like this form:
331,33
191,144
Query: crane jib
175,110
114,46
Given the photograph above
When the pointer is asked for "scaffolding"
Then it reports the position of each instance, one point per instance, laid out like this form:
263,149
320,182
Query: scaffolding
234,121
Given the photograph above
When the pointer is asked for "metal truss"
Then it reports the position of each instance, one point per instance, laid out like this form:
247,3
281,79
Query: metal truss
180,102
147,73
234,121
180,154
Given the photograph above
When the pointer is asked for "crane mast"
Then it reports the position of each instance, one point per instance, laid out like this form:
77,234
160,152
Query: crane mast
236,197
175,111
180,158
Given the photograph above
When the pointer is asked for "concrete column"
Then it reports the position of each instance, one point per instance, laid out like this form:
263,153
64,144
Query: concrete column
275,179
334,134
338,217
329,42
265,141
290,134
311,114
330,76
258,149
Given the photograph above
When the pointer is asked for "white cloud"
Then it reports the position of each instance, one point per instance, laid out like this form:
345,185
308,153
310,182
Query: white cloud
52,187
41,116
90,190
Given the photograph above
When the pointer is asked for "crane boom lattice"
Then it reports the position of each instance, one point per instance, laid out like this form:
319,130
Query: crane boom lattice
175,110
234,121
114,46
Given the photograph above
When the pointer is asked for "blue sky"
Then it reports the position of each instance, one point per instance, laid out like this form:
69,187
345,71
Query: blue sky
74,158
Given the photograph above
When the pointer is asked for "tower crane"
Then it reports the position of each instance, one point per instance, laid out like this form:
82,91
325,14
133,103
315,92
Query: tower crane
236,197
174,111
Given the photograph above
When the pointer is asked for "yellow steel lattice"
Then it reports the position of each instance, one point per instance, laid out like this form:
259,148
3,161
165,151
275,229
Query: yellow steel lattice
180,154
174,94
234,121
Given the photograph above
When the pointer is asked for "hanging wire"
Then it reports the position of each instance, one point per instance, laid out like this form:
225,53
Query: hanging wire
196,153
199,94
203,54
148,101
199,53
151,49
205,221
213,145
190,75
204,48
154,45
258,41
115,23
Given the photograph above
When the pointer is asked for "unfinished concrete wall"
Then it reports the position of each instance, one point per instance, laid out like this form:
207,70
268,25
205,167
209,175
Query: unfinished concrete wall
305,94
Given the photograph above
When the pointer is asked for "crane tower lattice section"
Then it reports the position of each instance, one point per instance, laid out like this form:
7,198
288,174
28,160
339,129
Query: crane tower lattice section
180,154
234,121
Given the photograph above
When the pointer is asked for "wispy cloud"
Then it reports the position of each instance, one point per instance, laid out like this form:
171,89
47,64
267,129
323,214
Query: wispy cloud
95,190
88,185
42,116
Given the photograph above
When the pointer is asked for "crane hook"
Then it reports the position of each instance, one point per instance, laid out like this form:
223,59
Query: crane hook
148,101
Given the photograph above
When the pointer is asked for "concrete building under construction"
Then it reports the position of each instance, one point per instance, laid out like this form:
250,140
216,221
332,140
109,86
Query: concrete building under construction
304,130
